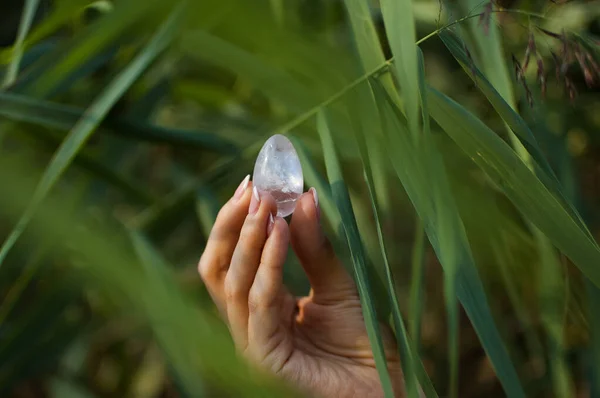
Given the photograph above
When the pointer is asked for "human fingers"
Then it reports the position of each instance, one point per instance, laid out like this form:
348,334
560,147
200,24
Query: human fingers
215,260
328,278
268,338
244,264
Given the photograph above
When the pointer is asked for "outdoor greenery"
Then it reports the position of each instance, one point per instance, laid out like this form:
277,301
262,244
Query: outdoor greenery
453,145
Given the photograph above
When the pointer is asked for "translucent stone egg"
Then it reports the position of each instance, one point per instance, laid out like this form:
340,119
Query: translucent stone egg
278,172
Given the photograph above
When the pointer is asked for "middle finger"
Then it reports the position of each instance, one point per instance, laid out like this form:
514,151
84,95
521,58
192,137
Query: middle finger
244,264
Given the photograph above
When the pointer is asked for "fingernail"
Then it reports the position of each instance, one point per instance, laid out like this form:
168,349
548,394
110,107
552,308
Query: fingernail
242,187
270,225
254,202
316,200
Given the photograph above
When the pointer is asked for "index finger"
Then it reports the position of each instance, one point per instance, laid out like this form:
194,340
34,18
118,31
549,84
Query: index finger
221,243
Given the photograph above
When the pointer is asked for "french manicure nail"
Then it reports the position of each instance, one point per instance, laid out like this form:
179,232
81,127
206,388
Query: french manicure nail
242,187
254,202
271,224
316,200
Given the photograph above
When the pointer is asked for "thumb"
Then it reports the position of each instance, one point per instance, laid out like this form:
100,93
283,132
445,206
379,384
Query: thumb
329,280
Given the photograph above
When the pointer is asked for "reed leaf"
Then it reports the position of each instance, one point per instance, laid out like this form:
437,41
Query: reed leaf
82,131
342,200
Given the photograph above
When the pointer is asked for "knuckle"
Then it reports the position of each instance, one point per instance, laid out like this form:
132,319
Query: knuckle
254,303
204,267
249,235
234,292
211,266
223,211
259,298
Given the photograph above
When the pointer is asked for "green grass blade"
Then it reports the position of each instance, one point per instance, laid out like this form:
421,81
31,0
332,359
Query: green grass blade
60,64
407,354
314,178
42,113
371,56
562,379
367,123
450,269
489,49
513,120
342,200
59,16
408,350
369,48
155,269
50,114
530,196
401,32
192,339
138,130
500,104
523,141
82,131
421,172
417,296
552,297
365,34
272,80
29,10
77,73
91,164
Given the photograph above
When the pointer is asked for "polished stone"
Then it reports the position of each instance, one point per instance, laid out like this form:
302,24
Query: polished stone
278,172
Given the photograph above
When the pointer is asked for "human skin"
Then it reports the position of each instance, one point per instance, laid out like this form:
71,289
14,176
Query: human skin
319,342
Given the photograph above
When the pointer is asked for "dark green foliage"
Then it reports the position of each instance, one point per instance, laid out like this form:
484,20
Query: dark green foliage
125,125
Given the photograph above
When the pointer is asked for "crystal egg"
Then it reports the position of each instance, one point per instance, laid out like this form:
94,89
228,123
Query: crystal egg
277,171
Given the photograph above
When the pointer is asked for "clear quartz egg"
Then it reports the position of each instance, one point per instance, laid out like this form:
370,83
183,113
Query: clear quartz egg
277,171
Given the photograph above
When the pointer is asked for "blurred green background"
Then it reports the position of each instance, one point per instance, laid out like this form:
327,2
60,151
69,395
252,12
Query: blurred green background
459,180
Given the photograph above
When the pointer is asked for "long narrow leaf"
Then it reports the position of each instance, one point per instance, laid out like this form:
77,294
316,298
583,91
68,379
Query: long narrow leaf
535,202
274,81
416,284
525,145
441,192
513,120
342,199
401,32
366,122
29,10
371,56
504,109
49,114
64,61
99,169
84,129
420,170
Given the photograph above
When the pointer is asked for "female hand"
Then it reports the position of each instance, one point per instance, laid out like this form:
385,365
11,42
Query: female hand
318,342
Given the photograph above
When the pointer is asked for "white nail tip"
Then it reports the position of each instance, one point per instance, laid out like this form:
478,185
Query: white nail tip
315,196
245,182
